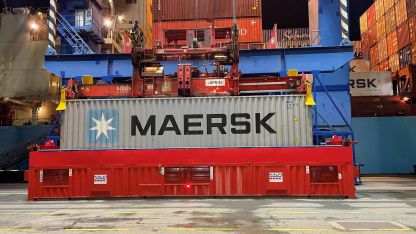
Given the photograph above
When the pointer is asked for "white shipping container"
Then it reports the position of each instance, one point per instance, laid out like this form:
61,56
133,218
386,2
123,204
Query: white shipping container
371,84
254,121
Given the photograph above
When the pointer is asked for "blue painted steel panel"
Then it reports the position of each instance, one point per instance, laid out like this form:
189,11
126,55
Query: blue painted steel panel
96,68
386,144
328,111
329,22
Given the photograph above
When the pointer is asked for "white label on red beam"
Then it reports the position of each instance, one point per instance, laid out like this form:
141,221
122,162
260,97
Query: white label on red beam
215,82
100,179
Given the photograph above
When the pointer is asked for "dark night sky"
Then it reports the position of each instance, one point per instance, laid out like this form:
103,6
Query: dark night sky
286,13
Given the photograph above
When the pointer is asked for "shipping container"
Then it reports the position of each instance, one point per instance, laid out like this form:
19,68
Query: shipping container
363,23
381,84
379,106
388,4
381,28
414,53
412,28
365,44
170,32
405,56
375,68
403,35
392,46
379,5
382,49
384,65
372,35
371,16
173,10
156,123
394,62
374,56
391,23
401,12
411,7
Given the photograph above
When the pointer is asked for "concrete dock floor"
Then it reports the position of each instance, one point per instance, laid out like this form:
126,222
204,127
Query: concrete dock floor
383,205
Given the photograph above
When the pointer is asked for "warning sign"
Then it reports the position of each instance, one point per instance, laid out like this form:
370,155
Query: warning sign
100,179
276,177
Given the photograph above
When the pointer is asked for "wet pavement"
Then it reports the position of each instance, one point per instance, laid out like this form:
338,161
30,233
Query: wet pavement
383,205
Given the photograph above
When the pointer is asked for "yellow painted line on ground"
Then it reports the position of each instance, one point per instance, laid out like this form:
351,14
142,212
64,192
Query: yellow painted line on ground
299,229
199,229
95,229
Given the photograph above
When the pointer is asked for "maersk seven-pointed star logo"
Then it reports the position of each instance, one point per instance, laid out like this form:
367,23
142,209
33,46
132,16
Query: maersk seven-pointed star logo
102,126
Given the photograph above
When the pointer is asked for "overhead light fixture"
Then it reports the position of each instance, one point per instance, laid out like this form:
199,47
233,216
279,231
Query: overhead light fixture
34,26
108,23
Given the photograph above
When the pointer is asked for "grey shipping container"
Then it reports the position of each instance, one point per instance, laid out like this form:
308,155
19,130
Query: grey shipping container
253,121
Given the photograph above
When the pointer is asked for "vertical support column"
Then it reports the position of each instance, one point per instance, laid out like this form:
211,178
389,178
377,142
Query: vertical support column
345,31
52,26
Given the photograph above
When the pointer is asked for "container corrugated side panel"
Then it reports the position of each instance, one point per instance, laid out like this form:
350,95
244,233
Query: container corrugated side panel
411,7
405,56
384,65
388,4
373,56
391,23
381,28
401,12
372,35
379,6
414,53
412,28
392,46
394,62
363,23
403,35
292,122
382,49
371,16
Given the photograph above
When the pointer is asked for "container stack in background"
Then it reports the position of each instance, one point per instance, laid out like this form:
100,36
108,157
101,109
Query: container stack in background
176,22
388,34
388,42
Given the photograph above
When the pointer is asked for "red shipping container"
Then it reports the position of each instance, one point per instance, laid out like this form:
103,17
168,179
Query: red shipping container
363,23
376,68
401,12
250,29
388,4
382,49
384,65
372,35
379,5
391,23
392,46
412,28
305,171
374,56
371,16
403,35
381,28
173,10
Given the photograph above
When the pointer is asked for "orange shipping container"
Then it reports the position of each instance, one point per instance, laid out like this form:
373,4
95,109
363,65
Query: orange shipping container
392,46
379,9
375,68
372,35
403,35
391,20
401,12
394,63
373,56
388,4
365,45
412,29
414,53
382,49
363,23
381,28
250,28
371,16
384,65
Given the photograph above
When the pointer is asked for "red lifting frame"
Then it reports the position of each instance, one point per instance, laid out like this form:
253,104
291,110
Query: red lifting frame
305,171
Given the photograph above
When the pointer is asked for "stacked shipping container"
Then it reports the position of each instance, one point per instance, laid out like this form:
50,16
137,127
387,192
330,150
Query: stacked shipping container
388,34
178,21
